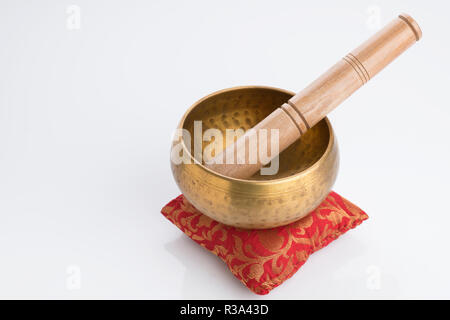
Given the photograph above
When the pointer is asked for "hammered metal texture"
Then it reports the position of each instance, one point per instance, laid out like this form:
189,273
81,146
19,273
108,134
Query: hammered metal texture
308,168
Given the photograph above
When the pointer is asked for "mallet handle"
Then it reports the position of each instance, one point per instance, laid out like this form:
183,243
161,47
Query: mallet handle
313,103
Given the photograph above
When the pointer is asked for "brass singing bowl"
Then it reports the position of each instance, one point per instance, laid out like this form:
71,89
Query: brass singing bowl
307,169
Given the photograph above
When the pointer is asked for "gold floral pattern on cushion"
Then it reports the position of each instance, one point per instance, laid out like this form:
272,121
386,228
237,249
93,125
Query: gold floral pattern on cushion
263,259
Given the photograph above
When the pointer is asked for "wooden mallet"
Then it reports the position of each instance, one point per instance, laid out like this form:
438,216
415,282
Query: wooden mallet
313,103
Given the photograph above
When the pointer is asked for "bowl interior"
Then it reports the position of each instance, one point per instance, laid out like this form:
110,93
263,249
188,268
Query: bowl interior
243,108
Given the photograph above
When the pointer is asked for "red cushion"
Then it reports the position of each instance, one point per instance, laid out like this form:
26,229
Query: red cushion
264,259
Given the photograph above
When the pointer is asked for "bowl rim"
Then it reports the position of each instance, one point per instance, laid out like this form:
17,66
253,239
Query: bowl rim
322,158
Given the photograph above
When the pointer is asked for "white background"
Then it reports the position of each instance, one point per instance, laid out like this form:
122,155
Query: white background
86,116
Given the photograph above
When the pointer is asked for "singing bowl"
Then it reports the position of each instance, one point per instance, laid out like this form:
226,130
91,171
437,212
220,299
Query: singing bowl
307,169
